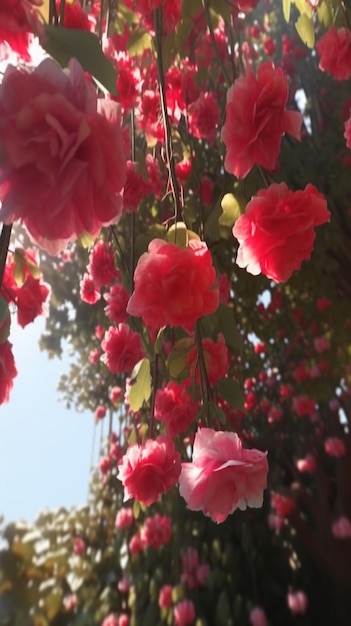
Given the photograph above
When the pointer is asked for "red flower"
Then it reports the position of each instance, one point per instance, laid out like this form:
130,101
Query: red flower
204,117
18,19
334,49
150,470
175,407
256,119
123,349
276,233
62,164
174,286
8,371
101,267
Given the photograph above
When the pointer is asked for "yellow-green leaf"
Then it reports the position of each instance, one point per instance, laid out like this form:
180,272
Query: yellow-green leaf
139,41
324,13
305,29
178,234
230,210
286,9
176,362
140,390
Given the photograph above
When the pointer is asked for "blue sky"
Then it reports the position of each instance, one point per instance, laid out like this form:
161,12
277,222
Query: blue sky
45,449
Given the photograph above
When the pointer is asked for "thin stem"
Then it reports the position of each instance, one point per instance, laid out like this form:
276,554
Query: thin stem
263,176
153,396
158,18
206,6
53,18
204,383
62,12
4,247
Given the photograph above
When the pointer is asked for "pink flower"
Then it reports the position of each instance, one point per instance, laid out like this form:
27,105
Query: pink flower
184,613
17,21
123,620
156,531
115,394
101,267
321,344
347,133
147,471
8,371
258,617
303,406
123,349
308,464
62,161
277,230
110,620
30,298
256,119
284,505
216,360
174,286
204,117
165,597
222,476
334,446
341,528
297,602
175,407
88,291
334,49
117,300
74,16
135,545
78,546
100,412
124,519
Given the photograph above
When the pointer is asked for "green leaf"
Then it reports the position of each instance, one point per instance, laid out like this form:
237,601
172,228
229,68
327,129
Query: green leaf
139,41
231,210
286,9
141,389
64,44
324,13
231,391
305,29
176,362
227,325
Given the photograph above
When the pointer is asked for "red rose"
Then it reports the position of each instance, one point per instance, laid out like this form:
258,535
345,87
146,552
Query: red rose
256,119
276,233
62,165
334,49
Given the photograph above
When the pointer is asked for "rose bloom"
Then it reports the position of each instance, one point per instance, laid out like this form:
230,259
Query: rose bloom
174,286
334,49
297,602
341,528
204,117
303,406
256,119
8,371
110,620
216,360
123,349
334,446
156,531
101,266
175,407
308,464
222,476
147,471
165,597
276,233
88,291
347,133
258,617
117,300
184,613
18,19
62,161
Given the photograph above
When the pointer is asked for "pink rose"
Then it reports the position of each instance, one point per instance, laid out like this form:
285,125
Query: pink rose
124,519
165,597
174,286
175,407
303,406
258,617
8,371
276,233
184,613
334,49
216,360
101,267
149,470
62,162
341,528
156,531
18,19
256,119
123,349
334,446
222,476
347,133
204,117
297,602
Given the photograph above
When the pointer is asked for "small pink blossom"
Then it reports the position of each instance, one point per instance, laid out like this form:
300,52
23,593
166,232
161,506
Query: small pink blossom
174,286
79,546
156,531
258,617
222,476
308,464
334,49
184,613
165,597
297,602
101,267
175,407
110,620
303,406
334,446
123,349
147,471
124,518
88,291
341,528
